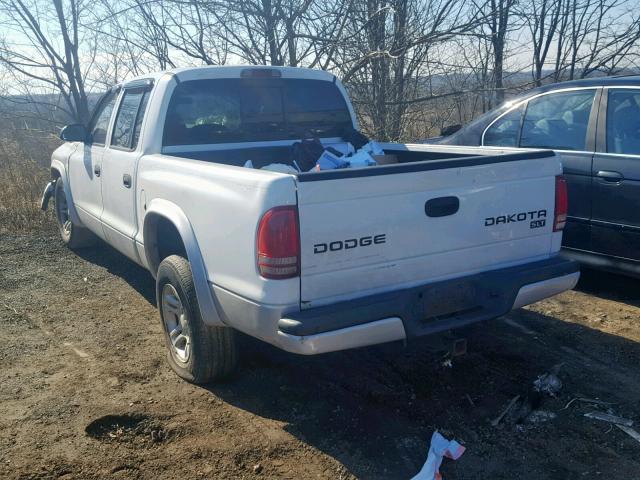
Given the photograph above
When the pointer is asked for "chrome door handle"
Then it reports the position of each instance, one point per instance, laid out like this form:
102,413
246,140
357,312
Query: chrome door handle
126,180
97,170
610,176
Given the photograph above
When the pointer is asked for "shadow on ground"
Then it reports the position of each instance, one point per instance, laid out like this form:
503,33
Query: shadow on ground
117,264
374,409
610,286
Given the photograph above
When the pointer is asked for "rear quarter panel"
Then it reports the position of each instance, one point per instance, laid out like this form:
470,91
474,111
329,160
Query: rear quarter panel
223,205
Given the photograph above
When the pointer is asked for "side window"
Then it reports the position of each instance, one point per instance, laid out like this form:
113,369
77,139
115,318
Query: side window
558,120
504,131
623,122
126,129
100,121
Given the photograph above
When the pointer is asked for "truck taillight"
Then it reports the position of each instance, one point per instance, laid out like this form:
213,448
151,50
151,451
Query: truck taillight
560,215
278,243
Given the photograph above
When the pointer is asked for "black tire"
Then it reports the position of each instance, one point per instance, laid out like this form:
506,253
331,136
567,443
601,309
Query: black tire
205,354
73,236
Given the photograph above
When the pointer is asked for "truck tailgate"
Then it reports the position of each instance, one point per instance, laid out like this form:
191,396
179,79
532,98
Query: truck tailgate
385,228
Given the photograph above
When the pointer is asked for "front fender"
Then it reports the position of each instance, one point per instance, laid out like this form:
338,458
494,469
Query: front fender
174,214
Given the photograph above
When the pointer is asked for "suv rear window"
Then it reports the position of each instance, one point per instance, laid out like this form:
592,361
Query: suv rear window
245,110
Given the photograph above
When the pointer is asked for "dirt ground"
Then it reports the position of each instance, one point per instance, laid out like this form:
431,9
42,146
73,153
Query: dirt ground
85,392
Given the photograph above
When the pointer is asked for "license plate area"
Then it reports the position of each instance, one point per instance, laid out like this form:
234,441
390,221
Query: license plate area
449,300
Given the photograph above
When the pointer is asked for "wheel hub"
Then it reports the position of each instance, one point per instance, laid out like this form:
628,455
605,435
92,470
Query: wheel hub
176,323
62,211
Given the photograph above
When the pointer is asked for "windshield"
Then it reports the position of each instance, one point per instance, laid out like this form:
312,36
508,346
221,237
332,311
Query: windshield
249,110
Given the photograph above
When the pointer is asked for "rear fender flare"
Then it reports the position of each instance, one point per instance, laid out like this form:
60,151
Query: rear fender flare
174,214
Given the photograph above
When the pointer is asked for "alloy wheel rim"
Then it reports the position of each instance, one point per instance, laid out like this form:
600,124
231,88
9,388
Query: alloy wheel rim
62,211
176,324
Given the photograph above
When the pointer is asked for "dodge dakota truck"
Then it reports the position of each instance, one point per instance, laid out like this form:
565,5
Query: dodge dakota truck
433,239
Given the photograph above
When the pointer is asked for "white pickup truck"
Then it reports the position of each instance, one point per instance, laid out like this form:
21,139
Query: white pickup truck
311,262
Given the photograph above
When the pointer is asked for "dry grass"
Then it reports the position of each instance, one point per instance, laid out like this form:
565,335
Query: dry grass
24,173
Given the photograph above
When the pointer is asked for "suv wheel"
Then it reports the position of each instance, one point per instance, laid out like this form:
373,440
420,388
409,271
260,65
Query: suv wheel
73,236
197,352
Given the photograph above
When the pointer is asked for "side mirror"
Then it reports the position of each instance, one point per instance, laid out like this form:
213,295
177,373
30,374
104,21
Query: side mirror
75,132
450,130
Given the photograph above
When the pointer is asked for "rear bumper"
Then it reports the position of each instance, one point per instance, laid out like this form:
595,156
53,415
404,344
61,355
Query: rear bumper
423,310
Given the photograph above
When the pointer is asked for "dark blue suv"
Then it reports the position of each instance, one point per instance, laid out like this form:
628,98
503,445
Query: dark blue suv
594,125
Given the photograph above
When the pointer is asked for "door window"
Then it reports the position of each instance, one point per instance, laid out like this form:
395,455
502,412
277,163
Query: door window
558,120
126,129
100,121
504,131
623,122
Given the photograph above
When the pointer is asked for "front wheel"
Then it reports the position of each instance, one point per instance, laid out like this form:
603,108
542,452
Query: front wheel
197,352
73,236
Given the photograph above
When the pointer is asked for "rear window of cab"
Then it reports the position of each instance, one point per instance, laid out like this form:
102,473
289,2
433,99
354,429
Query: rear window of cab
254,109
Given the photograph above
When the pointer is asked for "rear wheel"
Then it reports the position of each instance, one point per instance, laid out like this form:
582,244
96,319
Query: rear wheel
72,235
197,352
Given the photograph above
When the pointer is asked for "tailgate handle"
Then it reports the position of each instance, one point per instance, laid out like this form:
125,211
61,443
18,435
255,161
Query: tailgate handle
441,206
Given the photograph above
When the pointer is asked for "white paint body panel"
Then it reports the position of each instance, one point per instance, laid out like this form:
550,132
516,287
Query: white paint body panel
224,205
217,208
419,248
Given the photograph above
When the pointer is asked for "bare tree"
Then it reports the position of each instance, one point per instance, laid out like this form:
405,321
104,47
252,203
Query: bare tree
385,55
498,23
282,32
542,18
596,35
52,54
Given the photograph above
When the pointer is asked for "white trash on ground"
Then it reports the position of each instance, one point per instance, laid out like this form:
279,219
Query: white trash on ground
629,431
610,418
549,383
440,448
540,416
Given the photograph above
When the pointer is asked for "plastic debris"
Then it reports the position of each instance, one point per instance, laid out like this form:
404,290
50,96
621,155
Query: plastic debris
540,416
549,383
372,148
505,411
280,167
440,447
329,161
605,417
331,158
629,431
594,401
361,159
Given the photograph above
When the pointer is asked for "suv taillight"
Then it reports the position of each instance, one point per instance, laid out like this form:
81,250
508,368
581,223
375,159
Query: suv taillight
560,214
278,243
